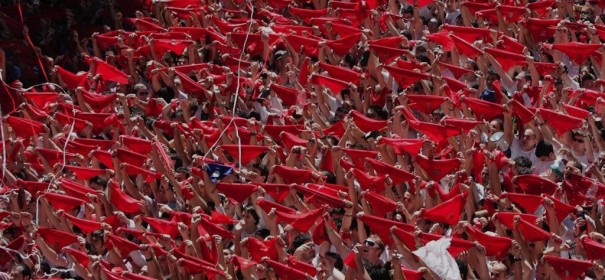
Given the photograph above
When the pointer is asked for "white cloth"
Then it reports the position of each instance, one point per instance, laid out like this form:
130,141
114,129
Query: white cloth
436,257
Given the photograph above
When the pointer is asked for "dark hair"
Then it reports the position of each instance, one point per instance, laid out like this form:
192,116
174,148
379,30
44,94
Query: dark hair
378,272
523,162
544,149
250,210
25,270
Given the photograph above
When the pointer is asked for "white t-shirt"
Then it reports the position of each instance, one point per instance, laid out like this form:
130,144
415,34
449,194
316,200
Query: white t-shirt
517,151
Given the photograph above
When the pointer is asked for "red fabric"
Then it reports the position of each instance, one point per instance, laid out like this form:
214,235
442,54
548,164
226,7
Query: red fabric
335,85
506,59
437,169
71,80
464,125
595,250
369,182
577,52
290,140
41,99
76,190
293,175
306,14
104,158
575,111
149,176
319,232
527,227
568,269
484,109
25,128
239,192
57,239
63,202
163,226
561,123
309,45
443,39
221,218
511,44
288,96
456,70
286,272
127,156
98,102
387,54
465,47
242,263
122,201
494,245
381,205
81,257
279,192
425,103
545,68
213,229
540,7
447,212
382,227
341,73
522,112
268,205
400,146
541,29
85,173
455,85
303,76
366,124
404,77
86,226
528,202
260,249
534,184
468,34
342,46
396,174
359,156
190,86
137,145
511,13
122,245
109,72
302,266
301,222
561,209
322,195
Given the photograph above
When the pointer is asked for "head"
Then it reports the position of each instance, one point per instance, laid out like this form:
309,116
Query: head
545,151
141,91
373,248
578,144
529,139
21,272
499,271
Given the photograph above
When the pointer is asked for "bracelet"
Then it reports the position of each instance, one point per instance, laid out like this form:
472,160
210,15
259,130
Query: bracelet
348,215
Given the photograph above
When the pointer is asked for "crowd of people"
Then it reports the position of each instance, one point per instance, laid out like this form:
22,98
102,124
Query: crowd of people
288,139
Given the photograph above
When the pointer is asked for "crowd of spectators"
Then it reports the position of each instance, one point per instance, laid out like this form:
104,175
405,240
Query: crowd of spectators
288,139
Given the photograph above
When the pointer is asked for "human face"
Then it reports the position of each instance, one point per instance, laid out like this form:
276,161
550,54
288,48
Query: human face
372,249
529,140
498,271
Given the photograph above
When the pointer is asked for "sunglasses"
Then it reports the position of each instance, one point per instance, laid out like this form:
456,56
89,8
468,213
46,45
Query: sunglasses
142,93
578,140
371,243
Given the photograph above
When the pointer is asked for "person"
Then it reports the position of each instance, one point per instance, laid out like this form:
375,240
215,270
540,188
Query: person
324,140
